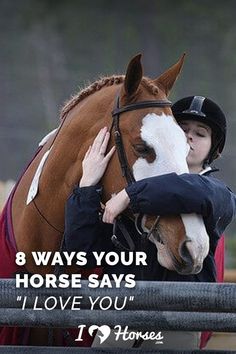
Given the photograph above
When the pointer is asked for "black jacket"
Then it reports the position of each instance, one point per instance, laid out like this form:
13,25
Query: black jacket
160,195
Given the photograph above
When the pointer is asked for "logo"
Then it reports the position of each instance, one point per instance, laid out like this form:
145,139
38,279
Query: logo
103,332
124,334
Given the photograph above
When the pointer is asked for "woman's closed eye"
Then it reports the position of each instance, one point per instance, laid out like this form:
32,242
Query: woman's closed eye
200,134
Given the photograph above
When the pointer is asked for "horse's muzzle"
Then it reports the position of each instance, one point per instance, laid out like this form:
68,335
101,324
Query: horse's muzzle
188,264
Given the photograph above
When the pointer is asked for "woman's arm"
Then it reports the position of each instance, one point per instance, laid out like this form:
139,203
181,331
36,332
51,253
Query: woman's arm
83,229
176,194
82,225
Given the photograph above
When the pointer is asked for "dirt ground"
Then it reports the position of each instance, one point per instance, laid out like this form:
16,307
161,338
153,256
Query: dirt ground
221,340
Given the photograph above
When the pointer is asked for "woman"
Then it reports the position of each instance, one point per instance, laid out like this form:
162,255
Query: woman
204,124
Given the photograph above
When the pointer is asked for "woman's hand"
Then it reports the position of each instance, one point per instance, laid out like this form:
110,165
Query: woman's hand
95,161
115,206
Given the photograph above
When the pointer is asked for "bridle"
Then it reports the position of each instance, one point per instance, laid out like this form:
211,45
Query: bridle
126,170
127,173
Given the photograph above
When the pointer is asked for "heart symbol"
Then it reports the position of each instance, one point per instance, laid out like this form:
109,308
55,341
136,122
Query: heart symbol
105,330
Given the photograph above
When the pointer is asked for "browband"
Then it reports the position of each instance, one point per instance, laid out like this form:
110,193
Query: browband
140,105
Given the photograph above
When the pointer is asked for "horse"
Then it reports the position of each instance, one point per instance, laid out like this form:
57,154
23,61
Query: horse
149,142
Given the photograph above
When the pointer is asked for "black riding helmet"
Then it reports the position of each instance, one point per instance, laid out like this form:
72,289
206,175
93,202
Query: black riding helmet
208,112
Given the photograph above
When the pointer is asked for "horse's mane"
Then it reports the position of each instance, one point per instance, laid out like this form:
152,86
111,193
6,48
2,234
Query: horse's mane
98,85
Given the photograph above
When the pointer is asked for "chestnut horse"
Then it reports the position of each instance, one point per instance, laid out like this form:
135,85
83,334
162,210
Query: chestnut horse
153,144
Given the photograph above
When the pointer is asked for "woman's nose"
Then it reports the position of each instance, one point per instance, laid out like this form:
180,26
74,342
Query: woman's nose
189,136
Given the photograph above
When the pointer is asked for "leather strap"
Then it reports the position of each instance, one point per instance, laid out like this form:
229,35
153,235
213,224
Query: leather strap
141,105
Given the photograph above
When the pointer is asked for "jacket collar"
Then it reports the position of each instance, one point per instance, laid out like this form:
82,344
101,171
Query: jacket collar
208,170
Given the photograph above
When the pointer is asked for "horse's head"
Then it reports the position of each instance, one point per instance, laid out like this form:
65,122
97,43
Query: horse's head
154,145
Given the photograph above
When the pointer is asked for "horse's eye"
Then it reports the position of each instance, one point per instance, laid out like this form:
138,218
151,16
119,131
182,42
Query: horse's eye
143,149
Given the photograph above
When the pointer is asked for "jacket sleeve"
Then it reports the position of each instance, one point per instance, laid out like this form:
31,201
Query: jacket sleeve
83,228
183,194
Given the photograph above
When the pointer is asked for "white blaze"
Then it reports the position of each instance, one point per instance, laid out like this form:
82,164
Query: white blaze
168,140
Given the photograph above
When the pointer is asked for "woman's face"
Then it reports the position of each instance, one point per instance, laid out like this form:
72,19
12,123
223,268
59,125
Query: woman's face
199,138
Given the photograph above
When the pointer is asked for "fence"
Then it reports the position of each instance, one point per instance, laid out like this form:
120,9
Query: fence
163,306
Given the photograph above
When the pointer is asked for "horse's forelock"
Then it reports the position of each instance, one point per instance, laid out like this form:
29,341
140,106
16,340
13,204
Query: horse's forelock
98,85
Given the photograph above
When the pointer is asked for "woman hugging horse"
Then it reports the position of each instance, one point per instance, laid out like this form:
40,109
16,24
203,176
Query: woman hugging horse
204,125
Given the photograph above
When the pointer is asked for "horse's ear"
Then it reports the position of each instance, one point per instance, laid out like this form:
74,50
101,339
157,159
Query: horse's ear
168,78
133,75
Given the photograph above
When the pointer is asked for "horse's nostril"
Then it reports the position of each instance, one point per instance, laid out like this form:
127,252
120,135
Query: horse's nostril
198,269
185,253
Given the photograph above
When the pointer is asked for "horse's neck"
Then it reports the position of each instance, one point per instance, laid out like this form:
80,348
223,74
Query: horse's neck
61,172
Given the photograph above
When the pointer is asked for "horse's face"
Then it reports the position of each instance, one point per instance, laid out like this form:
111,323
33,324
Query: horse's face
156,145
